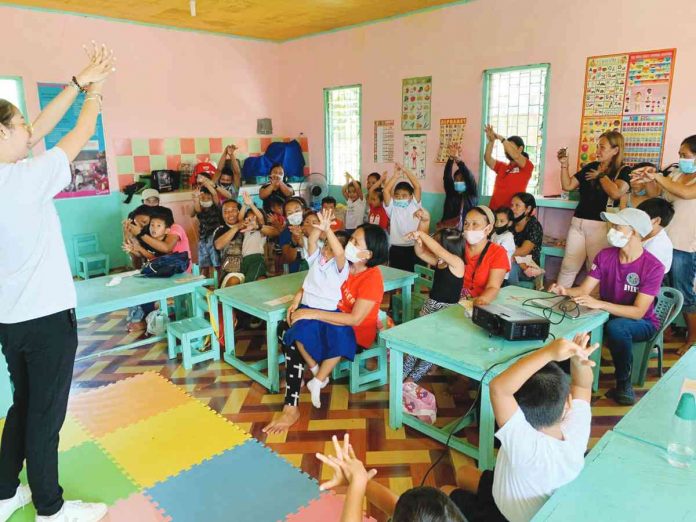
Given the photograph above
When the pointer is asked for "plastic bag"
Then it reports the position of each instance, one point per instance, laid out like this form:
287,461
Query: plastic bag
419,402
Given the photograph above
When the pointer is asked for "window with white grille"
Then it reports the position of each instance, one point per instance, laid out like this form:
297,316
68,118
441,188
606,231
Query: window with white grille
515,102
12,91
342,132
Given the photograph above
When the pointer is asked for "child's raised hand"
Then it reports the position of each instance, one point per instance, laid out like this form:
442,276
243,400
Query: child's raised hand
326,219
338,479
246,197
563,349
347,467
196,192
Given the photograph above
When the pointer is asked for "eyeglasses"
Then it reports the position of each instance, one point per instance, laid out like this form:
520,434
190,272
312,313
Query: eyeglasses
26,125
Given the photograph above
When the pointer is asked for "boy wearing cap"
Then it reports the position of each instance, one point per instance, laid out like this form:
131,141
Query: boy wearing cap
151,197
629,278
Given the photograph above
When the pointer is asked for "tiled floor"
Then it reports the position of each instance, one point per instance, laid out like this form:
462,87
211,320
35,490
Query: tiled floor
401,457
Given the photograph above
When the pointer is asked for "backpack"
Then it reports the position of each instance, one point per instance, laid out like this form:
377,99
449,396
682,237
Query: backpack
166,266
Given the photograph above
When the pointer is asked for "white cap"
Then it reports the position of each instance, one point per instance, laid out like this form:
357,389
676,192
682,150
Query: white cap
150,193
631,217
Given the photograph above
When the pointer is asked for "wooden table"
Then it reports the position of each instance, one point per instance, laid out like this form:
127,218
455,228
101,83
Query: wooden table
269,300
94,297
451,340
650,419
624,479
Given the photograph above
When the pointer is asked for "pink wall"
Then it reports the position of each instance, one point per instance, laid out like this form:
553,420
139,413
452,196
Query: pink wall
167,83
456,44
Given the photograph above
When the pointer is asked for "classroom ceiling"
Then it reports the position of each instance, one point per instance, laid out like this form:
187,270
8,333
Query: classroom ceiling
275,20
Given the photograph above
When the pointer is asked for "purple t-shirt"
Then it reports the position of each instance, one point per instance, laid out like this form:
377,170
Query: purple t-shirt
620,283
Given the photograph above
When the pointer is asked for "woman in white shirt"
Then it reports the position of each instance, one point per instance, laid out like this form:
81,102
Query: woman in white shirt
38,328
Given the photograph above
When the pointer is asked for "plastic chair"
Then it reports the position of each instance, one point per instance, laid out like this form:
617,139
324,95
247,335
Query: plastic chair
192,331
424,281
361,379
668,306
87,254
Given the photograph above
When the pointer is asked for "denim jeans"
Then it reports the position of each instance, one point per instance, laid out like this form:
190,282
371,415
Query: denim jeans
621,333
681,277
516,274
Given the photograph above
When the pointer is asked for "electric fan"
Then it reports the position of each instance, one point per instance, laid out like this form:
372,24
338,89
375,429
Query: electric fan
313,189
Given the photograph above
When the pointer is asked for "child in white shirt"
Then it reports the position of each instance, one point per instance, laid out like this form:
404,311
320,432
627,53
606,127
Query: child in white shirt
401,201
544,420
503,235
658,242
355,204
255,232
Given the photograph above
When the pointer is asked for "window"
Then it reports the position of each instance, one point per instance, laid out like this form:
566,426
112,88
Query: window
342,132
514,103
12,90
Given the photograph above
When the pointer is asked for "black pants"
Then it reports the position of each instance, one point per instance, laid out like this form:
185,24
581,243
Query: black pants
479,507
40,355
294,367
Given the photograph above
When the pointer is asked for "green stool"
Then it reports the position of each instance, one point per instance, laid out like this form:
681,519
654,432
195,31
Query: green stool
361,379
424,281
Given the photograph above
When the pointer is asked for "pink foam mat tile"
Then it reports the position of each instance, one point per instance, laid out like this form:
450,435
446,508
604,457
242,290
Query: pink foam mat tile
136,507
326,508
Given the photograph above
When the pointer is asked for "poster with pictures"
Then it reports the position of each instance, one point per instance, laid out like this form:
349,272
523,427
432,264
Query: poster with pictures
414,153
451,131
89,172
384,141
630,93
416,97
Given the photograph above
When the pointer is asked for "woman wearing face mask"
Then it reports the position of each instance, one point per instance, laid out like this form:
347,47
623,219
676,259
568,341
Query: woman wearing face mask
361,296
291,239
528,236
512,177
461,193
600,183
679,187
486,263
629,278
277,187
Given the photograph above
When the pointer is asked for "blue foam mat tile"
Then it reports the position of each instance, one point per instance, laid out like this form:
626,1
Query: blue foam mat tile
247,483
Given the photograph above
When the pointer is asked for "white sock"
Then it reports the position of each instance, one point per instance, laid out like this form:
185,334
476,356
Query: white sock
314,369
314,386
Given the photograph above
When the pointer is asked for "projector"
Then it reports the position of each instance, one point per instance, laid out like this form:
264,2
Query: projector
511,323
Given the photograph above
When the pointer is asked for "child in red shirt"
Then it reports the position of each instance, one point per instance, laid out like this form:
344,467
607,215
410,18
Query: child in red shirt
378,215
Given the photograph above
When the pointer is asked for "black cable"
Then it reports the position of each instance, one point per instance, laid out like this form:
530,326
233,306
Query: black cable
548,312
458,426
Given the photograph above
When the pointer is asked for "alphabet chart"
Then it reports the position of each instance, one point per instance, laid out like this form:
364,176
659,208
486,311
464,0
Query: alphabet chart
451,131
629,93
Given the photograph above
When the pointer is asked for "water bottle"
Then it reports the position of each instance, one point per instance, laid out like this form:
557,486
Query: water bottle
680,449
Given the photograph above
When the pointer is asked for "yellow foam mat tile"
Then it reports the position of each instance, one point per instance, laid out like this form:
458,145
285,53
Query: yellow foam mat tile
162,446
125,402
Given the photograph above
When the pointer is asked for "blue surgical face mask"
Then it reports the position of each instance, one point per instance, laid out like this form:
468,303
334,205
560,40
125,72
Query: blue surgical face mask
642,192
401,203
460,186
687,165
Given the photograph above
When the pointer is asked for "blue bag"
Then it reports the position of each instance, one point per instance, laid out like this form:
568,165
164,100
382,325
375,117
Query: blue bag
166,266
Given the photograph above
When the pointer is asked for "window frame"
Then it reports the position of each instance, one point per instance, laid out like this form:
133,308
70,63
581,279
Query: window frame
22,93
483,168
327,132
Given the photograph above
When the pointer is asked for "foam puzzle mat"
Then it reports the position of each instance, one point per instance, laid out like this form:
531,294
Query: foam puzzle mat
153,453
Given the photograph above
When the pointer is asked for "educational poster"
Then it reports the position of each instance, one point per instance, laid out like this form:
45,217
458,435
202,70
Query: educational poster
89,172
384,141
630,93
416,94
451,131
414,153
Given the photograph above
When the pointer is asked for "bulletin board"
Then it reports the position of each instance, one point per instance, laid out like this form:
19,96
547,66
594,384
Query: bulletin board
89,175
384,141
416,97
451,131
630,93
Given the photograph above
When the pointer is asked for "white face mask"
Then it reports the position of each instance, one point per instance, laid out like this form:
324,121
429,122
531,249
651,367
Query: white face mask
206,204
295,219
474,237
352,253
616,238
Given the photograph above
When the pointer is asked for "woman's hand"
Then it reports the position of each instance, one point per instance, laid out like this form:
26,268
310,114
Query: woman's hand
422,215
304,313
589,302
291,310
101,65
482,301
563,157
415,236
133,228
558,289
490,134
593,174
346,466
296,233
645,174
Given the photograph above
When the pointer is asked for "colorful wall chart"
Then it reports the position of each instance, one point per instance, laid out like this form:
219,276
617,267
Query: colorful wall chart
414,153
451,131
384,141
89,172
416,97
630,93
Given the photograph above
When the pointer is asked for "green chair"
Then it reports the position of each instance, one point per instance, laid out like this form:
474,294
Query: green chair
90,261
667,308
188,336
361,379
424,282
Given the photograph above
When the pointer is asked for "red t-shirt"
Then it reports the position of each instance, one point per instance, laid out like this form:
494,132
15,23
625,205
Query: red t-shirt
509,180
496,257
378,216
337,225
366,285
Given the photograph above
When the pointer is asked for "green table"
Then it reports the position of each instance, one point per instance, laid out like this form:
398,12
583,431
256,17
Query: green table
269,300
624,479
650,419
95,298
451,340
